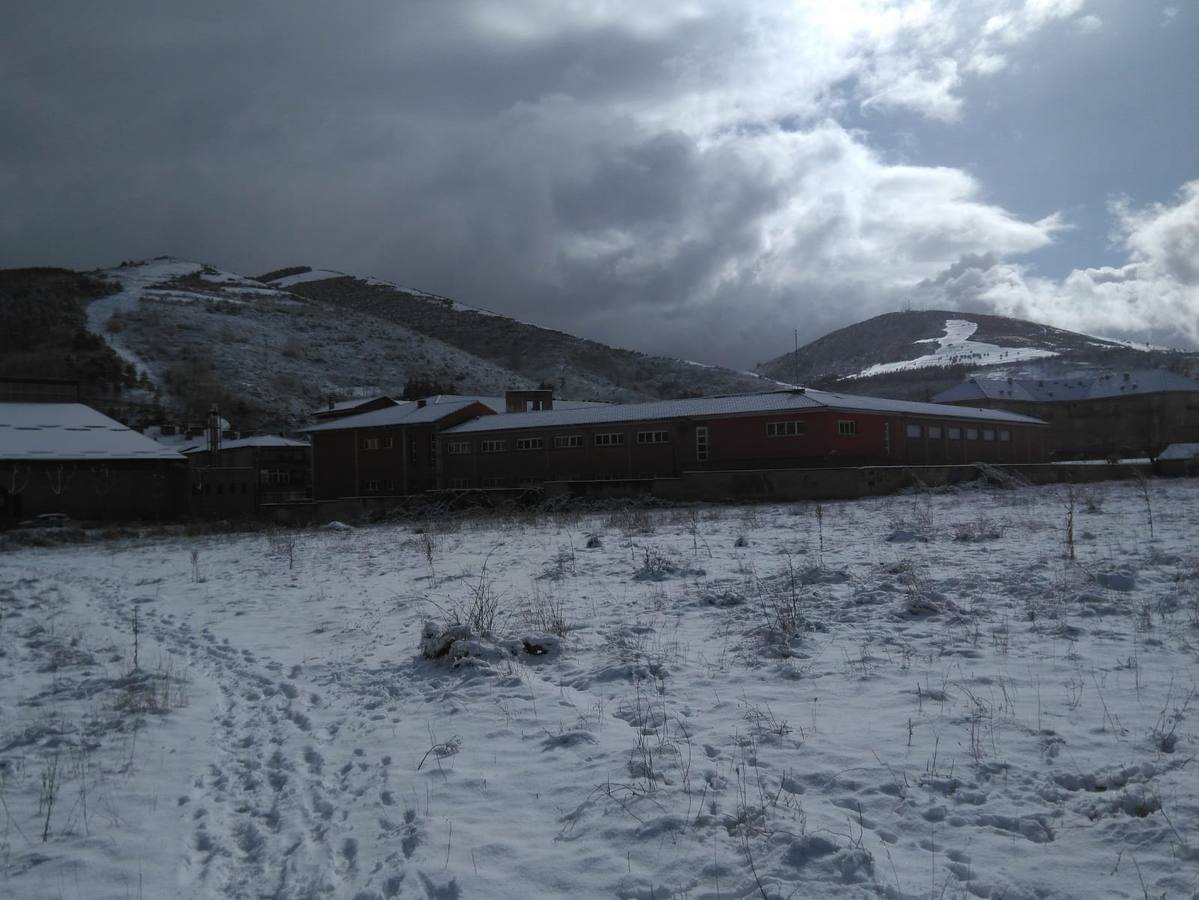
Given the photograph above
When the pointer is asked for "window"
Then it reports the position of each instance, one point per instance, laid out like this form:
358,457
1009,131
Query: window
934,432
701,442
370,443
412,451
372,485
955,434
388,443
389,484
613,439
458,448
493,482
653,437
530,443
988,434
493,446
972,434
568,441
913,431
785,429
1005,435
527,481
458,484
847,426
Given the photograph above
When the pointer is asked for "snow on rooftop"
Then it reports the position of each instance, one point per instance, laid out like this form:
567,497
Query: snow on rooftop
1180,451
259,440
1088,386
955,348
772,401
70,431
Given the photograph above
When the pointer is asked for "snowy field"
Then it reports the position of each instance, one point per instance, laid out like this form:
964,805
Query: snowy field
917,696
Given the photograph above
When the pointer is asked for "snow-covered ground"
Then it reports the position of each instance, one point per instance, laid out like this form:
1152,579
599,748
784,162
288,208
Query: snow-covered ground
954,349
914,696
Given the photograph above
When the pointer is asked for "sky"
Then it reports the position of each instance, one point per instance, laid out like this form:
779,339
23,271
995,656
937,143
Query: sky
698,178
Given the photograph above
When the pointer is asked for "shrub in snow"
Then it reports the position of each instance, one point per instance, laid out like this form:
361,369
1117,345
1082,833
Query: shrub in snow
903,536
462,647
1118,580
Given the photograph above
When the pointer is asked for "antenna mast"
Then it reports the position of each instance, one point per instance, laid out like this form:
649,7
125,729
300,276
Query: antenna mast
795,357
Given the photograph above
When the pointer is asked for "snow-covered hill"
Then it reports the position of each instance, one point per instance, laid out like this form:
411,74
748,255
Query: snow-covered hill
917,354
270,348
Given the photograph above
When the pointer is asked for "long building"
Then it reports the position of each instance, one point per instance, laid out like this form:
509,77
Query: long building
1108,414
68,458
779,429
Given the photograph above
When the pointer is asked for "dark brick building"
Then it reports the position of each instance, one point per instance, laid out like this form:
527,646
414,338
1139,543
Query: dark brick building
1111,414
68,458
389,452
792,428
247,474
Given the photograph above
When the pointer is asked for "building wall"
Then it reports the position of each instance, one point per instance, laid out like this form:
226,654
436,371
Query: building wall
734,442
1138,425
384,461
244,478
87,490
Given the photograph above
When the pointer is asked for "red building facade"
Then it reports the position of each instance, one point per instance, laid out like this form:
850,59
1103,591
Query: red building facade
755,431
386,453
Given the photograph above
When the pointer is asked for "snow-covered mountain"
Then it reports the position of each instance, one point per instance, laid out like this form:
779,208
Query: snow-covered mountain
917,354
268,348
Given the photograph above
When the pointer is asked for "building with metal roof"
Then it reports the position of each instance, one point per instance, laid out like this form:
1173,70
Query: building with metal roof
69,458
1097,415
778,429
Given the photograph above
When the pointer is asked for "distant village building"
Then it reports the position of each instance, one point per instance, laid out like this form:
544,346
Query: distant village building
779,429
245,477
64,457
1107,415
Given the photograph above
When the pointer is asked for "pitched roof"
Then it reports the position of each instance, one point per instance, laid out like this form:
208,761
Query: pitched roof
71,431
258,440
736,404
1085,387
1180,451
412,412
343,406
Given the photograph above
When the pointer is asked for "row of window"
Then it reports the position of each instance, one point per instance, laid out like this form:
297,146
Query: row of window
798,427
561,442
520,481
935,433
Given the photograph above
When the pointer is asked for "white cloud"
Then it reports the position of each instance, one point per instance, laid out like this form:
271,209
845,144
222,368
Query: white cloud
1154,296
590,160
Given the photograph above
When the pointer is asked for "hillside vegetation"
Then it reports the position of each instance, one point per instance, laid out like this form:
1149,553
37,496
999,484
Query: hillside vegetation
44,334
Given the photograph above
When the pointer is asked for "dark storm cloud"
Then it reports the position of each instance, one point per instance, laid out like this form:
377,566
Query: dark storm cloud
613,170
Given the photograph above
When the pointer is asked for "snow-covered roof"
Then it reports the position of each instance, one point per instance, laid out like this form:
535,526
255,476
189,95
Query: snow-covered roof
353,403
259,440
736,404
70,431
1180,451
1084,387
411,412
